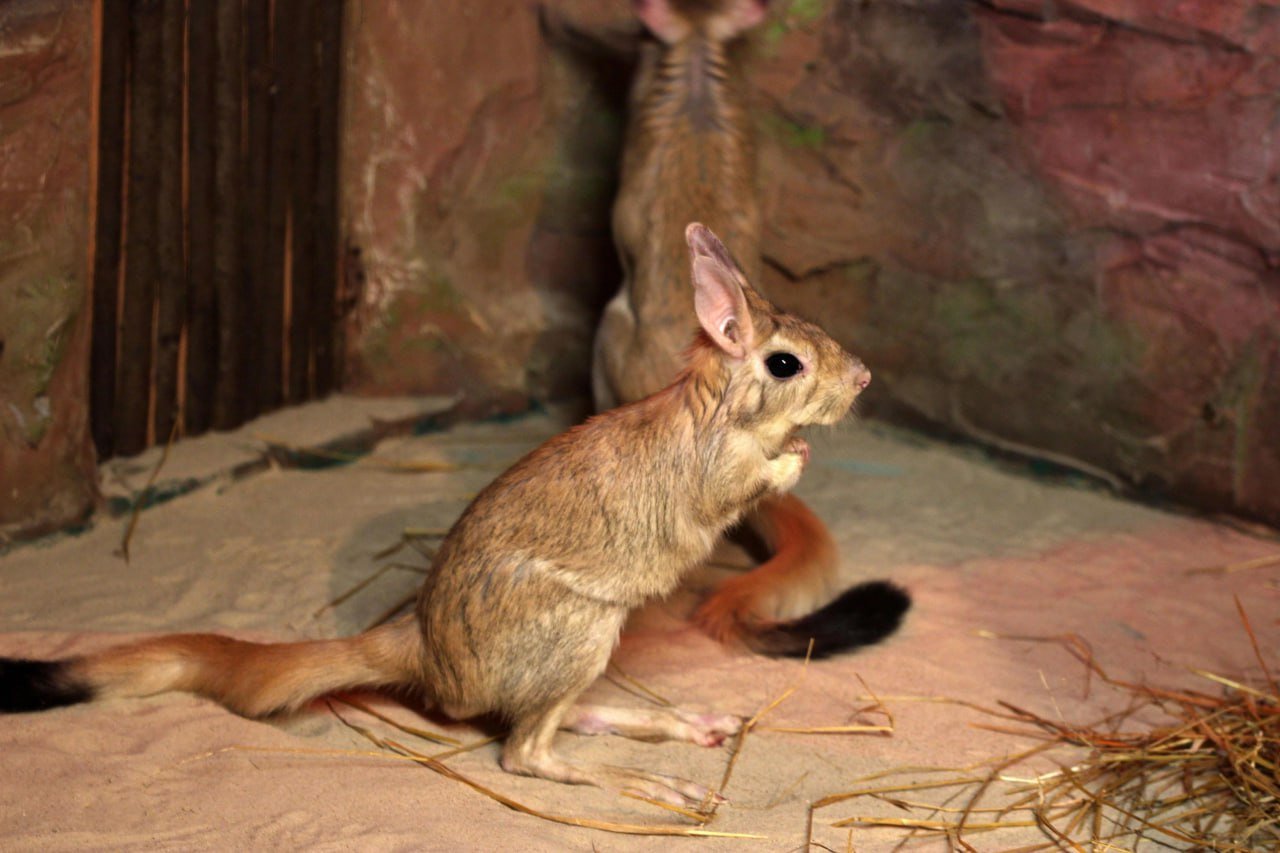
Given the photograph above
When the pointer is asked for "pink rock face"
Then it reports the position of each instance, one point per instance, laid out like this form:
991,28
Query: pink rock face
1161,138
1056,229
1137,130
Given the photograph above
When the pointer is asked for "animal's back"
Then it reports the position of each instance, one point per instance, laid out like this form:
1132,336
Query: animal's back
689,156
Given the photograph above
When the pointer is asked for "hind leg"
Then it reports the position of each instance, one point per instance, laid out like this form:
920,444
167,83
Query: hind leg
652,724
528,751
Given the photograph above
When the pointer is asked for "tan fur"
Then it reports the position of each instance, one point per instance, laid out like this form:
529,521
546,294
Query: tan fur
528,591
689,155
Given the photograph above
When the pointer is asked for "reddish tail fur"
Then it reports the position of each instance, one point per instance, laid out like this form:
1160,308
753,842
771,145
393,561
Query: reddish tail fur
784,606
253,679
797,577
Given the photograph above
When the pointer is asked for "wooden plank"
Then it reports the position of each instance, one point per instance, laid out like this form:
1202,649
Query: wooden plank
202,306
133,390
171,279
299,88
279,167
283,140
328,92
109,222
265,384
228,408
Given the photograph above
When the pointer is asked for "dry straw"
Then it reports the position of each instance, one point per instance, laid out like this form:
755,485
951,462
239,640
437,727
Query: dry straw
1204,776
420,540
140,499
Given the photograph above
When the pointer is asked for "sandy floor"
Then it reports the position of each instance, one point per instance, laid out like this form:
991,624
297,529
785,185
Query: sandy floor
982,548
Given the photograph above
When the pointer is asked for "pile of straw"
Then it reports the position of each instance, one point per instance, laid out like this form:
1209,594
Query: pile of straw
1204,773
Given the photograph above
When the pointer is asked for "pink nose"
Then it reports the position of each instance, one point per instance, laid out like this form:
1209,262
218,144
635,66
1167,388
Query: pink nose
861,377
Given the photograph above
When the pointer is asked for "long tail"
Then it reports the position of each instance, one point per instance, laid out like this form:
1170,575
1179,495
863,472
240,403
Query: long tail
253,679
859,616
782,604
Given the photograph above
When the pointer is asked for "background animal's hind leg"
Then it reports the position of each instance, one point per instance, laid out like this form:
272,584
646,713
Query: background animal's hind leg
652,723
528,752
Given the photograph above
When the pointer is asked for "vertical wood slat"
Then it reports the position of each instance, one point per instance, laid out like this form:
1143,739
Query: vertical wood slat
261,88
202,320
228,407
133,386
265,294
327,99
301,81
109,223
171,273
283,139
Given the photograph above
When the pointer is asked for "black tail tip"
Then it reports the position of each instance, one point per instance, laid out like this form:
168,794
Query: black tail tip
859,616
37,685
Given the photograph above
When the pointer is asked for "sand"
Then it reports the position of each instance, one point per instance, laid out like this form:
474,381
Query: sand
983,547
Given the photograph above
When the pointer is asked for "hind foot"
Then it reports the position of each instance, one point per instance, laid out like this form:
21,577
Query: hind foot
528,749
652,724
661,787
625,780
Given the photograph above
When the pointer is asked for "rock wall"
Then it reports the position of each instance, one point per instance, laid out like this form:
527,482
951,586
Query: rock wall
46,144
478,171
1157,127
1050,223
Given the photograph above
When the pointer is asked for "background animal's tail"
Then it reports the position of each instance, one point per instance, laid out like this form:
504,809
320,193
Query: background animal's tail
253,679
777,607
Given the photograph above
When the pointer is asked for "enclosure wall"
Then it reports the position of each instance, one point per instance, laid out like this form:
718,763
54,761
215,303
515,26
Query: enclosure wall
1045,224
46,149
1051,225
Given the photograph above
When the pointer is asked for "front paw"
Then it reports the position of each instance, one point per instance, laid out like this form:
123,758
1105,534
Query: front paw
785,470
798,445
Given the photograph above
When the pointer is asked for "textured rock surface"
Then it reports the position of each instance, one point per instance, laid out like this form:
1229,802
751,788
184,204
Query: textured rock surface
1055,224
478,175
1158,125
46,463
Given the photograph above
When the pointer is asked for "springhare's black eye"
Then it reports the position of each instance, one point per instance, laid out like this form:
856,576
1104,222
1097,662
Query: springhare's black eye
783,365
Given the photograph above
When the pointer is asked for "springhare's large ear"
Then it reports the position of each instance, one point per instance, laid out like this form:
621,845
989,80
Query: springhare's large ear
717,296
